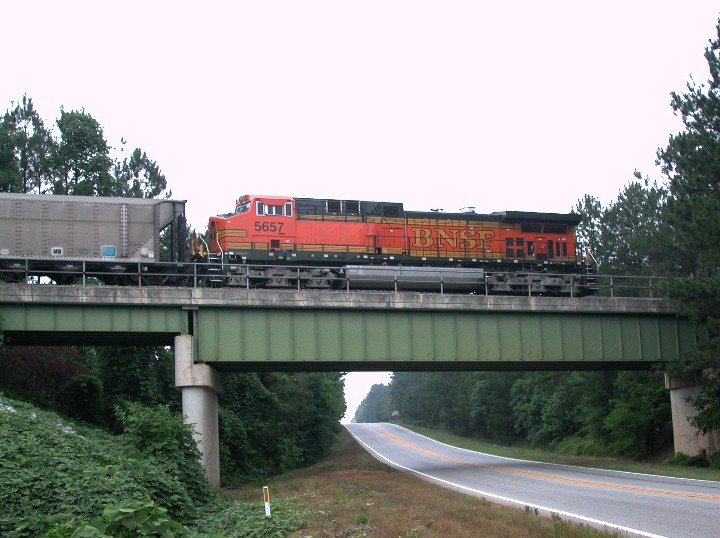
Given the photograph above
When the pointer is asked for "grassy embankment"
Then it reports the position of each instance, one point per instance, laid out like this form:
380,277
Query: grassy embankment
54,471
350,494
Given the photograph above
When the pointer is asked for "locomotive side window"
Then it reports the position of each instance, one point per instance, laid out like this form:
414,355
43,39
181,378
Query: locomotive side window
555,228
352,206
391,211
242,208
266,209
288,209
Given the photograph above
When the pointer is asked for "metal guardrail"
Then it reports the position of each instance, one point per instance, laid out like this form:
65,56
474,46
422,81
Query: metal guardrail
629,286
117,272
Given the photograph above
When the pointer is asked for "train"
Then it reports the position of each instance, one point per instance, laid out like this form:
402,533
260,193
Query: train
290,242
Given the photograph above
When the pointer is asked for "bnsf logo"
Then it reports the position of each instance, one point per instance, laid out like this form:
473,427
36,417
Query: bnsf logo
462,238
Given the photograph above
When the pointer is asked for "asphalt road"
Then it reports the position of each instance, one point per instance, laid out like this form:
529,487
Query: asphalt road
636,504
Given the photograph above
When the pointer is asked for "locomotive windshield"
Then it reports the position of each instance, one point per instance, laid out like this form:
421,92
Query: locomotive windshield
243,207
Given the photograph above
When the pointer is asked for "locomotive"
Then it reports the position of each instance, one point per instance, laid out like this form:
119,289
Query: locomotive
329,243
286,242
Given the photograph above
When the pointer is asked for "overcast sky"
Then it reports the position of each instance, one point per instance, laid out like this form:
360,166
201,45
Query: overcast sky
519,105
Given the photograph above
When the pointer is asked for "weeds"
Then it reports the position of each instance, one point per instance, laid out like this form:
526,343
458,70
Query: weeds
354,495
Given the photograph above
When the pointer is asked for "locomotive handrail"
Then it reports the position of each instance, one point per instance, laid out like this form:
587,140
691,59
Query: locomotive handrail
42,271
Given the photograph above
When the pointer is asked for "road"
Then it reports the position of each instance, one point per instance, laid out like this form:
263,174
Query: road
635,504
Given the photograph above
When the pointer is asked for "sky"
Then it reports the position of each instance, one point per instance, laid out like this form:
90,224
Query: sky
502,106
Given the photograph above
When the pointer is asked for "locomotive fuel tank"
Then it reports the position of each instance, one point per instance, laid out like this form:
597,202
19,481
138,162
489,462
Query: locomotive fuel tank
415,278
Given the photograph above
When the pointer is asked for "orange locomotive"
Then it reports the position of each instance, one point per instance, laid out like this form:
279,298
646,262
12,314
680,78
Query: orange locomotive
375,244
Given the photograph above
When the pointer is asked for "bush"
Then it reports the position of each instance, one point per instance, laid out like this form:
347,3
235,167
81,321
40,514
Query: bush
81,398
678,458
125,519
54,471
163,437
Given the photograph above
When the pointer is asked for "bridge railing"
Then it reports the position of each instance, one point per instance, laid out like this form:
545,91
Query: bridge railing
88,273
630,286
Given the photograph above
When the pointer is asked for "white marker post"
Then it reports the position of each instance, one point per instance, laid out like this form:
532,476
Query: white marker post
266,496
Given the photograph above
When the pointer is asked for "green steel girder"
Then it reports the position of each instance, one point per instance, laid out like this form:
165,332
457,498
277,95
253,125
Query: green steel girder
282,334
271,338
91,324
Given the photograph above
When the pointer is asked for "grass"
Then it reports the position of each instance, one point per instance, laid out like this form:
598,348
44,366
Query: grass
350,494
526,453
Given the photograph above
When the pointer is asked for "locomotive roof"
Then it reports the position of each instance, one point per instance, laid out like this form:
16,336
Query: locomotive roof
319,205
525,216
502,216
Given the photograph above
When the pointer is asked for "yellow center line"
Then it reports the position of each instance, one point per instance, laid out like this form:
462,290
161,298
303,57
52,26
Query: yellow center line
382,431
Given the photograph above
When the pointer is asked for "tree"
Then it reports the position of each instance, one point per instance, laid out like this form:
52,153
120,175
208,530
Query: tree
691,162
588,233
626,237
32,161
434,399
82,157
138,177
639,420
632,225
376,407
490,410
26,147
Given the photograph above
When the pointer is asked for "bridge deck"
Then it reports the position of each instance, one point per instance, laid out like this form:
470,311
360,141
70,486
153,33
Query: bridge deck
307,330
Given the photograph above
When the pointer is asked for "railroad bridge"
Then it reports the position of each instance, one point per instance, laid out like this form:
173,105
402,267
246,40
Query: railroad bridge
221,330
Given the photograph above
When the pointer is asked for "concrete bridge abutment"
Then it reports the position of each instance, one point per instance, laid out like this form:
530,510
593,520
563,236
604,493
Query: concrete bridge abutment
200,385
686,437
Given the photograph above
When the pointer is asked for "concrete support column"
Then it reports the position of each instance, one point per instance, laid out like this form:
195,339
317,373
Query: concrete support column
200,386
686,437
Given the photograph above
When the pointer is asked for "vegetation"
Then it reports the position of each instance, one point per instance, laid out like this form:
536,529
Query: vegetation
349,493
692,164
599,413
33,160
678,465
269,423
139,474
671,230
668,229
62,479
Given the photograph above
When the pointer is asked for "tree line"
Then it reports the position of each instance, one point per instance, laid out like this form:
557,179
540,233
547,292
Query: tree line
668,228
269,422
33,159
580,413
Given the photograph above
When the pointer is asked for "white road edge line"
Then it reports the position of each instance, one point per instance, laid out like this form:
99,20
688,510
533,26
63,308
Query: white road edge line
555,464
514,502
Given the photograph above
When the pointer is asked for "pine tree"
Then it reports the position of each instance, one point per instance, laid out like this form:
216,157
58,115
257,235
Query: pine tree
692,215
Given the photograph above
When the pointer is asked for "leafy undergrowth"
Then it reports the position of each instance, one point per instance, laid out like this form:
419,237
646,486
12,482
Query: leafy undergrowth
60,479
350,494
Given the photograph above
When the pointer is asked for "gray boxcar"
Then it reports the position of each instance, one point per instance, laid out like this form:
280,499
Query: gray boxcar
88,227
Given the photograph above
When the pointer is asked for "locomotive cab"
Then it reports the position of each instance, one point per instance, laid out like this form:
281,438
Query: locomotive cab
258,223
